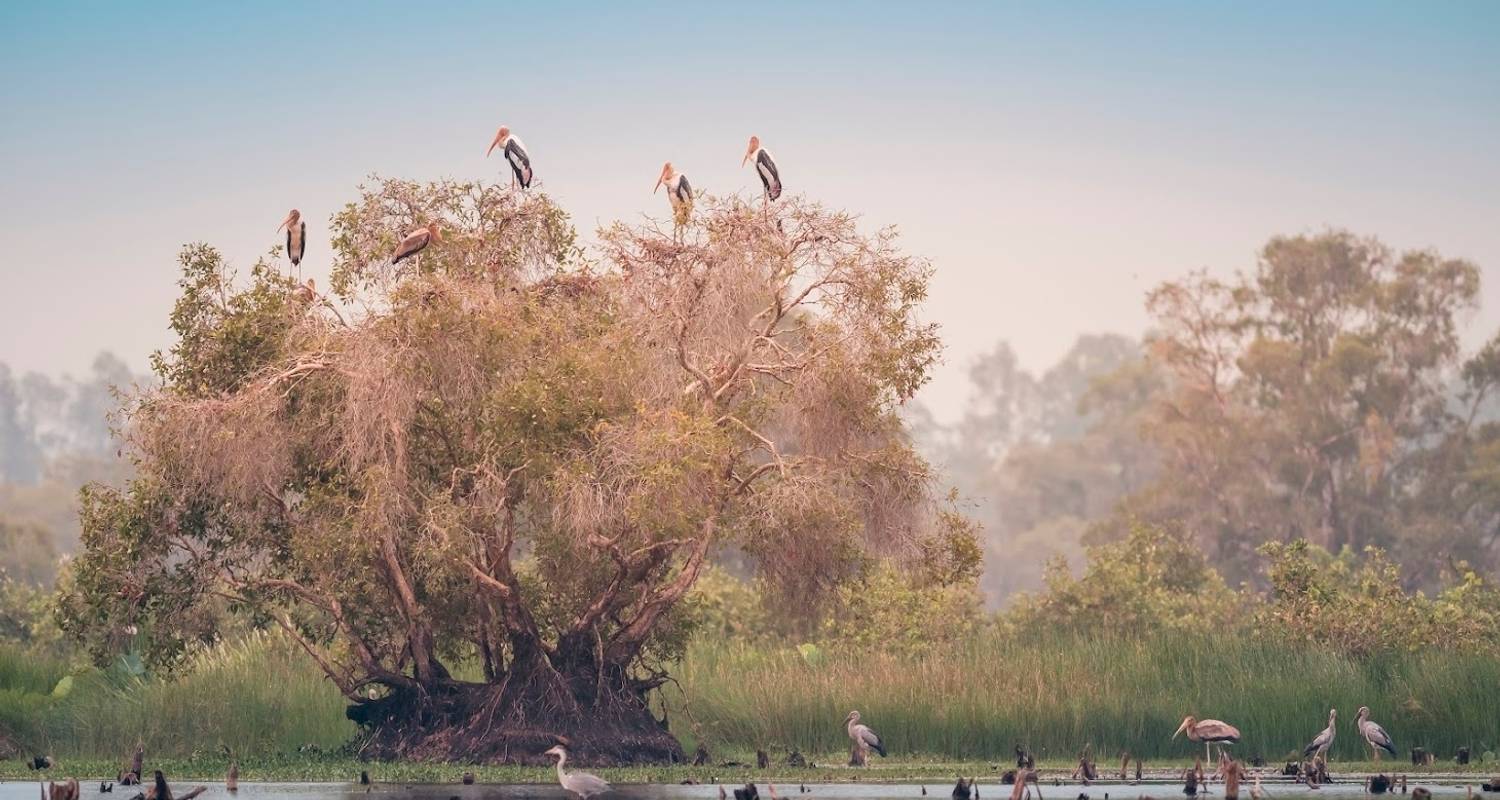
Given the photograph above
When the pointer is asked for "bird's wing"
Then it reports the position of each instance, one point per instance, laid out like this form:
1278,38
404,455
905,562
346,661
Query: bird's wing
867,736
1378,736
520,161
769,174
412,243
684,189
1319,742
591,784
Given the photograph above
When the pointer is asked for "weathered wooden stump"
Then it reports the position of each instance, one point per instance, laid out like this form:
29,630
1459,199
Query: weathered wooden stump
1463,756
762,761
961,790
796,759
700,756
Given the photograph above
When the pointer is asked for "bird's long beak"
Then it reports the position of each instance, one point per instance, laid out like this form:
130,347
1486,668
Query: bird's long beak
746,159
494,144
1180,729
659,182
285,222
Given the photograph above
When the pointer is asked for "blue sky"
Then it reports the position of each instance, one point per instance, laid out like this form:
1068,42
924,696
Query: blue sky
1053,160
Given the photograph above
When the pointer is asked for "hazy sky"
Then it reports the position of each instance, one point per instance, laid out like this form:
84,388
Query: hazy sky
1053,160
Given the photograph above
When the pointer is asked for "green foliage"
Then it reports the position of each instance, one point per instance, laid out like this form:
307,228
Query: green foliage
1156,579
1361,607
890,612
224,334
979,696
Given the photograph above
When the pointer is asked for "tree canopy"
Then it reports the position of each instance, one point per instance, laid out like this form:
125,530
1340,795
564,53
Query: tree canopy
511,451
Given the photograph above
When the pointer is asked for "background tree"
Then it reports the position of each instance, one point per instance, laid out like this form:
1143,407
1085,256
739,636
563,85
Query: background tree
516,455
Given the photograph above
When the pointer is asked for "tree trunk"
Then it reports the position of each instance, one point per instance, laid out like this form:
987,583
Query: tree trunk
603,719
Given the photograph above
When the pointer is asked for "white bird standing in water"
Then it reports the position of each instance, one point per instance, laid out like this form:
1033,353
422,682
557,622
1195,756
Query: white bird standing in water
580,783
296,238
1324,740
679,193
515,153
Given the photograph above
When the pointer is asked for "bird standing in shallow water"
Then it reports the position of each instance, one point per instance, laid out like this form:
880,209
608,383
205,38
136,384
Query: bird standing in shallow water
1375,735
1320,743
864,738
1208,730
580,783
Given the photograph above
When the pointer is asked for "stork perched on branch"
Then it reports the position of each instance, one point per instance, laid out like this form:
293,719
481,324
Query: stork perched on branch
296,237
515,154
765,166
417,241
679,193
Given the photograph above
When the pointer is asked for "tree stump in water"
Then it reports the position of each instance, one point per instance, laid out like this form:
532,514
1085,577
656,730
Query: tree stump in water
1418,756
1232,771
1421,793
857,756
961,789
1378,784
1190,783
1463,756
1137,770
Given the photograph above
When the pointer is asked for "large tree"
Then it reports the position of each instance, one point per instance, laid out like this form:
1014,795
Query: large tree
506,453
1306,396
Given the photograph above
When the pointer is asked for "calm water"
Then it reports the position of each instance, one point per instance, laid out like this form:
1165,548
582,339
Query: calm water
25,790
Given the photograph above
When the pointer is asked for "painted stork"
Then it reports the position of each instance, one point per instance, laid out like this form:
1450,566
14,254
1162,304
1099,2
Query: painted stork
417,240
515,153
1375,735
1208,730
1324,740
580,783
770,176
296,237
679,192
864,738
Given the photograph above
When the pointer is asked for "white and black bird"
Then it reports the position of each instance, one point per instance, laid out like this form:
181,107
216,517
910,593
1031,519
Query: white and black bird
679,193
515,153
416,241
296,236
580,783
864,738
770,175
1320,743
1374,734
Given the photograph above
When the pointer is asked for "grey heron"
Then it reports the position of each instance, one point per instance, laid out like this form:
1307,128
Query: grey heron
1375,735
580,783
1208,730
1320,743
864,738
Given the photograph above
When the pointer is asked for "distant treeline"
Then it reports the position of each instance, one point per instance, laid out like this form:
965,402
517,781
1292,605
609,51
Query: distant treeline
1322,395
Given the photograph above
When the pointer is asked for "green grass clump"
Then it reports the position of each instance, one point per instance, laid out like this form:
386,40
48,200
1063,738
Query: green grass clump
258,696
980,698
967,703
